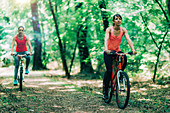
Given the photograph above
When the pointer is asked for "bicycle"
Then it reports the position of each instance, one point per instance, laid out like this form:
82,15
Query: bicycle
121,84
21,75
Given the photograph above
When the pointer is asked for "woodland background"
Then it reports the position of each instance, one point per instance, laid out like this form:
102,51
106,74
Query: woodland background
70,34
67,65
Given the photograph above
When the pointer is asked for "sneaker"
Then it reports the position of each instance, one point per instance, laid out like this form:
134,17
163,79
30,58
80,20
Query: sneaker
15,83
27,71
105,96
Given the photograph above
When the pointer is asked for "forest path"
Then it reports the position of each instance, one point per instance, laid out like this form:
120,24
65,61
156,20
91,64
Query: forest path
47,91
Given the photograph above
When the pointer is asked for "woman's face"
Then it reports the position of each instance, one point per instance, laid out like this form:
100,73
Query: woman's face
20,31
117,21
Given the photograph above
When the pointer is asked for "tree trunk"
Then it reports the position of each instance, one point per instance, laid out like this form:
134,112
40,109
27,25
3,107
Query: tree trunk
43,48
158,57
168,5
160,47
104,15
85,61
60,43
37,62
102,5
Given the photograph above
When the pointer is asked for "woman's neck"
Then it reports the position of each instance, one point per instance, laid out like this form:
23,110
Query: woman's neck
116,27
20,35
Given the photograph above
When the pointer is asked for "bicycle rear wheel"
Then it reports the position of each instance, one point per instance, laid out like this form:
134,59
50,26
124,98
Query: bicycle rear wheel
20,79
110,92
122,90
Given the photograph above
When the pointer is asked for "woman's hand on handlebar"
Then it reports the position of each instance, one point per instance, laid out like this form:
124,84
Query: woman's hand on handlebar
30,53
12,53
134,52
107,51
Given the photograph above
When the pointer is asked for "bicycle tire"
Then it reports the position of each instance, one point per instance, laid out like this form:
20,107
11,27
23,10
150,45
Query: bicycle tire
110,92
20,81
122,94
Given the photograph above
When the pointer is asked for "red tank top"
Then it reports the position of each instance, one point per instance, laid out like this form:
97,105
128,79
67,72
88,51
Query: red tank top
21,44
114,41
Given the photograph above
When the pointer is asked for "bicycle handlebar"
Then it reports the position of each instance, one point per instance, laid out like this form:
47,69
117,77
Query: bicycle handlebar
116,53
22,55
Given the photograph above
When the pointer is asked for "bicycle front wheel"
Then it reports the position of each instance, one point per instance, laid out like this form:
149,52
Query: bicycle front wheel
20,79
122,90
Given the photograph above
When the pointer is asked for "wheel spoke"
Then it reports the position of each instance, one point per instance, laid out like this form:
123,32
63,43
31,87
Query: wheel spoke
122,90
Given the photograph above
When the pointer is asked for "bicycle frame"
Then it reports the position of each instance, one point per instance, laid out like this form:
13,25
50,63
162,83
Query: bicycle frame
21,58
119,67
21,65
119,81
21,76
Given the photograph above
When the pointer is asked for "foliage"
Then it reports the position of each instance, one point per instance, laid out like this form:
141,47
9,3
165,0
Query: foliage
69,19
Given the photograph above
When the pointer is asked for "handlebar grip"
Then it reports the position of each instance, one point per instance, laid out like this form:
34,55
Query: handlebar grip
113,53
130,53
28,54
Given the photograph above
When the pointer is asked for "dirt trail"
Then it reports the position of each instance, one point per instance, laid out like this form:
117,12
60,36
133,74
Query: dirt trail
55,94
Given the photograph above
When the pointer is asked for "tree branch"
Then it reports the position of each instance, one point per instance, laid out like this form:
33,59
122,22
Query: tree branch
162,11
80,26
60,42
149,31
158,56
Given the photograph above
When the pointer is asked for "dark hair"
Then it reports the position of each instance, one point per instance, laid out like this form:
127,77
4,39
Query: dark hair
20,27
117,15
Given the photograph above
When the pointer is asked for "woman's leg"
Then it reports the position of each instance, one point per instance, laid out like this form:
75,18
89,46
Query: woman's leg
17,59
27,62
108,73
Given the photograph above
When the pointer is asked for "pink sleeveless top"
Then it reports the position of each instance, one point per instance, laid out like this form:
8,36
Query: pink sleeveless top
21,44
114,41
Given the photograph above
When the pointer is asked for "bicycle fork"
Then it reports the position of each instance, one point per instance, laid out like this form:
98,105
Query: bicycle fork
118,75
21,70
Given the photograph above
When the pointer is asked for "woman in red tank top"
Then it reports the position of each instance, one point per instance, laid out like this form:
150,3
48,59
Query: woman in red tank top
21,44
113,37
21,48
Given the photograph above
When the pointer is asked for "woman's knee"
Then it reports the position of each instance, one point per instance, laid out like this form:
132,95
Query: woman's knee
28,58
16,61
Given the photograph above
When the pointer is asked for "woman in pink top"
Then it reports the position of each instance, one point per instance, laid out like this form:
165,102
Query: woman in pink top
113,37
21,48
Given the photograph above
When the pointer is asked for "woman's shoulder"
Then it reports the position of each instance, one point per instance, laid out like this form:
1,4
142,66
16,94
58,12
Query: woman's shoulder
109,29
123,29
26,37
